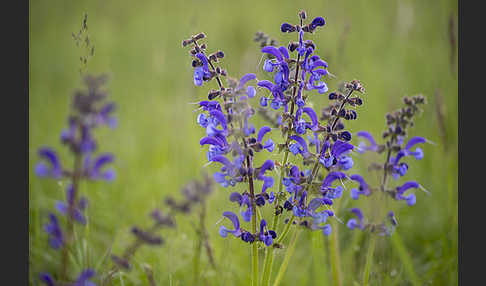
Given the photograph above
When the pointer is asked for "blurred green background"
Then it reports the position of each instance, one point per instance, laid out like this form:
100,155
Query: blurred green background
395,47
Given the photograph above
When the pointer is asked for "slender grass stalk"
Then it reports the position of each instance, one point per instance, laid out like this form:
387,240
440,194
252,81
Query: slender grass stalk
288,255
197,259
335,255
286,229
405,258
267,271
268,263
318,259
369,260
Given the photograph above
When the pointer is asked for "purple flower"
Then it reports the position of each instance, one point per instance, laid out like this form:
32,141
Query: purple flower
273,51
263,101
300,147
337,155
201,73
47,279
269,145
266,236
330,178
363,187
313,116
392,218
300,209
326,230
84,277
317,22
287,28
362,147
352,223
243,200
223,230
53,229
104,116
82,280
93,170
400,169
53,168
400,190
267,180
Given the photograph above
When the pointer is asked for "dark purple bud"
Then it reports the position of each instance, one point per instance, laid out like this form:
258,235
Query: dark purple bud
260,201
346,135
302,14
220,54
318,22
288,206
287,28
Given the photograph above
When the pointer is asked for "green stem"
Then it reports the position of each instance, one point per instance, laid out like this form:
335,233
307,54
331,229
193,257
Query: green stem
318,259
268,262
369,260
254,256
287,257
286,229
197,254
254,249
335,255
402,252
70,226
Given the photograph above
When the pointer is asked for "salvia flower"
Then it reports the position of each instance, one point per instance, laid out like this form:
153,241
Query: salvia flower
236,231
353,223
363,187
400,191
53,229
53,166
84,279
266,235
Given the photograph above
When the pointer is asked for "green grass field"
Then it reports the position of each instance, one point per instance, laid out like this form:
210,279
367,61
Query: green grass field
395,48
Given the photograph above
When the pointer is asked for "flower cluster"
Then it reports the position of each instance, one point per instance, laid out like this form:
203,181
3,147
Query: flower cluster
316,151
90,110
233,145
397,149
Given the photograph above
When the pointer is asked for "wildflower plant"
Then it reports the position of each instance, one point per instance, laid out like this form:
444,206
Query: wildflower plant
316,154
90,110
